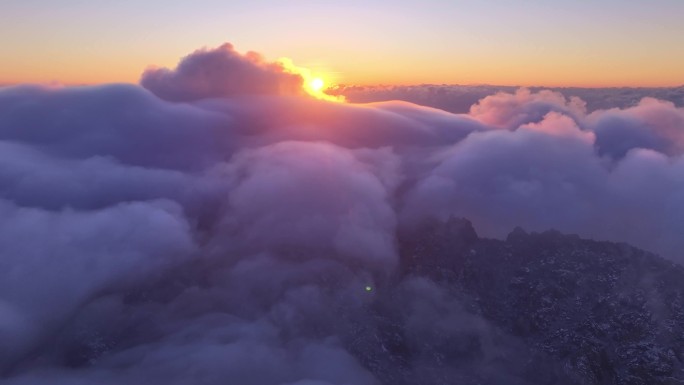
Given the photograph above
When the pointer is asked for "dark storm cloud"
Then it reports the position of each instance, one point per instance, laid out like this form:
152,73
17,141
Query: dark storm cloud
232,239
221,72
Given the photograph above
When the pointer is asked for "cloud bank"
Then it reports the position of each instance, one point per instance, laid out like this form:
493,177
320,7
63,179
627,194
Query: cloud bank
220,72
217,218
459,98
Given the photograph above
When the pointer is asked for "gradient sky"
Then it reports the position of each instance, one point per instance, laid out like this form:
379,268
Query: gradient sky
523,42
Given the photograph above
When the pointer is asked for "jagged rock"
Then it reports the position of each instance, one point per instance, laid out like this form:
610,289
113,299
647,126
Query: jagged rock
437,248
605,313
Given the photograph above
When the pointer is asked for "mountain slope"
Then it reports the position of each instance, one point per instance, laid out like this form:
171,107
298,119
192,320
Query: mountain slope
582,311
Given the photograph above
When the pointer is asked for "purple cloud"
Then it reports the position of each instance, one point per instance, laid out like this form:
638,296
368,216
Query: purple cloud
219,73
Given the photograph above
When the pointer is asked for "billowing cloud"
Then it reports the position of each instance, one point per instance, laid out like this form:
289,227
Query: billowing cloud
328,198
55,262
249,234
651,124
513,110
221,72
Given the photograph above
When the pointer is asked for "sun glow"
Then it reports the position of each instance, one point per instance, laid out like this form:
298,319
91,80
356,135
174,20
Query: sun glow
317,84
313,84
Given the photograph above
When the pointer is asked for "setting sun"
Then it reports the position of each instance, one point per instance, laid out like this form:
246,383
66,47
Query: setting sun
317,84
314,84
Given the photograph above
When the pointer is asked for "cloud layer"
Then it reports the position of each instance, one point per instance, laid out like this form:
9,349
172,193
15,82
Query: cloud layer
459,98
217,218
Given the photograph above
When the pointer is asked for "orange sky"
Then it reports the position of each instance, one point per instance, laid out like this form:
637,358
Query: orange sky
602,43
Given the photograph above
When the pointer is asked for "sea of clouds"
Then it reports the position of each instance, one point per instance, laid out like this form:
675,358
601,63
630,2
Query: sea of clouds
216,224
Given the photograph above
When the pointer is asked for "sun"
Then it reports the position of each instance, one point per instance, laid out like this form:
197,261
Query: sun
316,84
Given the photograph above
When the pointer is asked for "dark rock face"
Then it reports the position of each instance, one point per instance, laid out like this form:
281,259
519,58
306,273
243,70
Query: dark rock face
582,311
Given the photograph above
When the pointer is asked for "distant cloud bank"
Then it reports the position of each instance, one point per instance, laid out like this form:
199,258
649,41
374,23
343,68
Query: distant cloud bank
459,98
